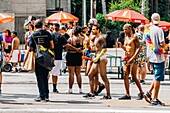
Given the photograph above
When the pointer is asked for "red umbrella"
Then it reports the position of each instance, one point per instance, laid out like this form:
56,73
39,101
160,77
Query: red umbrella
164,25
127,15
4,18
62,17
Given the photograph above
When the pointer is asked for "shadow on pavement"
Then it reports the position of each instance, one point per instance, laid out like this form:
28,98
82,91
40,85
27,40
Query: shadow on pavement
76,102
16,96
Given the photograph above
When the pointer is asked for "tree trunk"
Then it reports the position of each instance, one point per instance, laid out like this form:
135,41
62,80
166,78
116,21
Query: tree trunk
156,6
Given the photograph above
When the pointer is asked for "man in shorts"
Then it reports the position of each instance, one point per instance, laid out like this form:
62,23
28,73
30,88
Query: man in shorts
141,56
59,42
132,48
99,63
156,59
15,51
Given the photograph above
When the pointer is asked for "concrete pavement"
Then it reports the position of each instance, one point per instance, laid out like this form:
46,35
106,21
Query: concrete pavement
19,91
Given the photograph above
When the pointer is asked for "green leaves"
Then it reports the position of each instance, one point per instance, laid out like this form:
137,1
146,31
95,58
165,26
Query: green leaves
132,4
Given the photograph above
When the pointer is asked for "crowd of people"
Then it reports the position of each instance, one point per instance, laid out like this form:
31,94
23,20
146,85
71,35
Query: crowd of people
85,47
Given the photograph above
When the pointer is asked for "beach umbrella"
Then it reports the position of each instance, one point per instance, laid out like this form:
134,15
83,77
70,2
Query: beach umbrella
62,17
4,18
127,15
164,25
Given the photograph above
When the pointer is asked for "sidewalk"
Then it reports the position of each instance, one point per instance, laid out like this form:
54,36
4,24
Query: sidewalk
19,90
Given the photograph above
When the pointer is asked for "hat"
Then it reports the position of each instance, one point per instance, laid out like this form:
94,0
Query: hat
155,18
127,26
27,21
93,21
38,23
62,27
33,18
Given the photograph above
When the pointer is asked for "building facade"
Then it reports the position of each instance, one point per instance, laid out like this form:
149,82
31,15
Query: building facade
21,9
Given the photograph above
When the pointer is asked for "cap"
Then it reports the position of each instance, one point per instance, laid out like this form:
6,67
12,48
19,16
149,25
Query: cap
127,26
33,18
27,21
155,18
108,32
62,27
93,21
38,23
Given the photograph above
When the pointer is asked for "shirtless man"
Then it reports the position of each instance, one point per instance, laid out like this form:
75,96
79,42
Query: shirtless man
132,48
14,53
98,63
89,50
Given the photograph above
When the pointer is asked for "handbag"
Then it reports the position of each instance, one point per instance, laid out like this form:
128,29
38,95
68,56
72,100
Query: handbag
44,57
29,61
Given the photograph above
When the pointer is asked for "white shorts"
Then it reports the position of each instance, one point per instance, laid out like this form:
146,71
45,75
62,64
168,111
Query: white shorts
56,69
14,57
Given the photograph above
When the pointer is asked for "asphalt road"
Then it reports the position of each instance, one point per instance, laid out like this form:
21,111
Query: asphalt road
20,89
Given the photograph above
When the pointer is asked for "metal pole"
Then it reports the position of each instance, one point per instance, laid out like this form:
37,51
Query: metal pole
84,11
91,9
143,7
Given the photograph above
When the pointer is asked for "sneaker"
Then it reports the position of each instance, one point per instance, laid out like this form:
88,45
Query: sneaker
147,97
39,99
55,91
142,82
64,70
106,97
132,81
160,103
69,92
80,92
89,95
95,93
47,99
157,102
125,97
100,88
14,71
140,96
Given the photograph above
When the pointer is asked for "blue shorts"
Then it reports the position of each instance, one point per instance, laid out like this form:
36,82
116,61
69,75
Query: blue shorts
159,71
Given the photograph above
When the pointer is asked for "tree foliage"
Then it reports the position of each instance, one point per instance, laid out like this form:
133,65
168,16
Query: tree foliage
101,20
123,4
115,26
164,10
76,9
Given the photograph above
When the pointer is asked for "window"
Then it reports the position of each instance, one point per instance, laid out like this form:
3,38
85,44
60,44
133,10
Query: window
53,4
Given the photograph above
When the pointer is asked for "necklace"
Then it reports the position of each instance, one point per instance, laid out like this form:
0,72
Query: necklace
158,51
